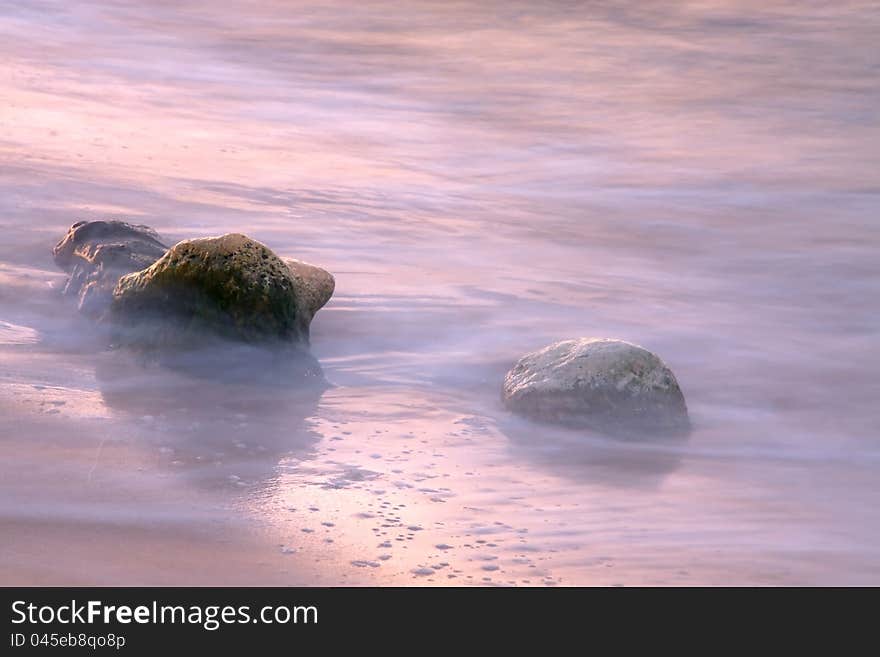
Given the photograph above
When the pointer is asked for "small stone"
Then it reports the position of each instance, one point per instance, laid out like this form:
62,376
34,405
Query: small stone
598,383
96,254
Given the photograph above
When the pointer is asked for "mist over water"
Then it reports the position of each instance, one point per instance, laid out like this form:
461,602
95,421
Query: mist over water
482,179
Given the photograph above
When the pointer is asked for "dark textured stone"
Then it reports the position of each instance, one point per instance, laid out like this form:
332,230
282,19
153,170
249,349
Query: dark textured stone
231,286
96,254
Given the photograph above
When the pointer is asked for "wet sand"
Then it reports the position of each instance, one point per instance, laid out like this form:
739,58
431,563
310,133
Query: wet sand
482,179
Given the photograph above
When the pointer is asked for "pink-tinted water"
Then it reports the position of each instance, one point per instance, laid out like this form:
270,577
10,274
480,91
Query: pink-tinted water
482,178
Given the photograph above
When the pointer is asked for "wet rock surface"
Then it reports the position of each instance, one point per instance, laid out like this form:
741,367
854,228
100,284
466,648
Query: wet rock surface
314,287
230,286
96,254
599,383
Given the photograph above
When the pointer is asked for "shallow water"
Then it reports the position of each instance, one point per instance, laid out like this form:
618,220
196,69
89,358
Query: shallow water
482,179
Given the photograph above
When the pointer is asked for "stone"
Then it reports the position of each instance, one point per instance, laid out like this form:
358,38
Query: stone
96,254
230,286
314,287
599,383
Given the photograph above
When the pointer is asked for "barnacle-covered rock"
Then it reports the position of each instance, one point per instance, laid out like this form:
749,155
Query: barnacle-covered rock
232,286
